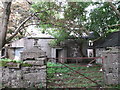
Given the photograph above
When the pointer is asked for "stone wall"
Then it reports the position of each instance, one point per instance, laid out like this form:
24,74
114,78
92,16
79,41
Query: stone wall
73,50
111,66
0,53
33,76
42,43
99,52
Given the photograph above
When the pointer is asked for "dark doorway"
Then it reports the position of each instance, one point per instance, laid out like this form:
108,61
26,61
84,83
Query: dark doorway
58,54
3,52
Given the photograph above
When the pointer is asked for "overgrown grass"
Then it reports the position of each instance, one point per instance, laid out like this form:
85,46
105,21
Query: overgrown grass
58,74
10,60
72,79
113,86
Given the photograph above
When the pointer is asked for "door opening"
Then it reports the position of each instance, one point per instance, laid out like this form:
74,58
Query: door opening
58,54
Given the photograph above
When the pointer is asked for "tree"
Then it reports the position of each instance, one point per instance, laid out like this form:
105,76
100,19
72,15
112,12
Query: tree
116,10
75,20
69,17
5,20
14,20
104,18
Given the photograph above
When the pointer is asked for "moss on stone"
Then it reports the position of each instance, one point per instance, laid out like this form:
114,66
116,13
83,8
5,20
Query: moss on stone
13,63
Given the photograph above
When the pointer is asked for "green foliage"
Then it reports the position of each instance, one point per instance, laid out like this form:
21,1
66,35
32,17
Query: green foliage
47,20
47,10
112,30
26,65
102,17
53,64
115,87
8,62
74,16
40,85
76,10
52,70
5,62
53,43
59,35
75,19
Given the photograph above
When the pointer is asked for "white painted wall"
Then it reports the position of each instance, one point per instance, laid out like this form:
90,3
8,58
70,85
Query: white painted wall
17,53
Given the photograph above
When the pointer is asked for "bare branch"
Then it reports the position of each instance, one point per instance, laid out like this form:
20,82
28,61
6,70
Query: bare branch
115,9
30,3
18,29
110,26
116,25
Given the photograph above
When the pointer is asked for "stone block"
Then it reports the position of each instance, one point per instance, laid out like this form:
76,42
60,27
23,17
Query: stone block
13,65
40,62
112,79
35,77
41,59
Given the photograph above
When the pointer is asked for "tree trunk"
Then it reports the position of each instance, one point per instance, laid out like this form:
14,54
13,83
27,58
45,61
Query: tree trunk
81,49
5,20
80,44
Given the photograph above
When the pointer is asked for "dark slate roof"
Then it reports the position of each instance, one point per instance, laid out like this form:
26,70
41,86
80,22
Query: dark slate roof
111,40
